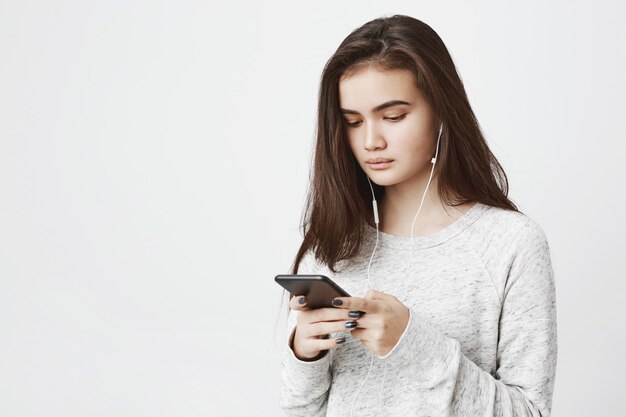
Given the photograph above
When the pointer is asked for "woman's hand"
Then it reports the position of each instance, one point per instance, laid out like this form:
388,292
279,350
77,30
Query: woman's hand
384,321
314,325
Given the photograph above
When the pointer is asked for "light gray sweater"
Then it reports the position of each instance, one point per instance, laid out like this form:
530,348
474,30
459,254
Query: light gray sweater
481,338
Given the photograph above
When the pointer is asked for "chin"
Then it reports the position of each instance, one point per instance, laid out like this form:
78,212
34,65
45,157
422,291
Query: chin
383,180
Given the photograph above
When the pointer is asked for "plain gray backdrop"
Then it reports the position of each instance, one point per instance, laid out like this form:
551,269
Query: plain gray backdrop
154,159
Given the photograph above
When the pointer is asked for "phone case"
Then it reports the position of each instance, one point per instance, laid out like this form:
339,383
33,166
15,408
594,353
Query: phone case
319,290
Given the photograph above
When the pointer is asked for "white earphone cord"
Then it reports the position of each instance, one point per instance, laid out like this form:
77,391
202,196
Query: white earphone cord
376,221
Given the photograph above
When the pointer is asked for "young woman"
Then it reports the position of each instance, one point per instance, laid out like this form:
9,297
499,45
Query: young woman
457,315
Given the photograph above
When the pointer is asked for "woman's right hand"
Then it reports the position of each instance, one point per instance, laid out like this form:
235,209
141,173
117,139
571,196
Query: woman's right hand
314,325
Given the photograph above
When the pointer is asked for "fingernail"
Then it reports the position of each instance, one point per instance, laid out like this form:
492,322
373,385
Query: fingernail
340,340
302,300
350,324
355,314
337,302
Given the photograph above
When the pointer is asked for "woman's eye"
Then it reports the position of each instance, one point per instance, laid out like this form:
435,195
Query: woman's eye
393,119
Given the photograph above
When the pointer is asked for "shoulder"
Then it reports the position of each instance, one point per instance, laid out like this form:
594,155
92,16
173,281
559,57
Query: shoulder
499,236
508,226
512,245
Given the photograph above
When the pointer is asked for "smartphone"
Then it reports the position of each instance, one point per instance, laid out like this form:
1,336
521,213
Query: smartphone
319,290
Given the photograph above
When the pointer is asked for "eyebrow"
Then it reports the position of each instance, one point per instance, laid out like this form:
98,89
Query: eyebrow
378,108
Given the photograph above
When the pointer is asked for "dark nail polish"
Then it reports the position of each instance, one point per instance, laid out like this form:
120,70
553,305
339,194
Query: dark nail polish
340,340
355,314
337,302
350,324
302,300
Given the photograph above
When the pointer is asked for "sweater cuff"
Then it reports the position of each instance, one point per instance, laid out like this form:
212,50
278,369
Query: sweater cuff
306,375
422,348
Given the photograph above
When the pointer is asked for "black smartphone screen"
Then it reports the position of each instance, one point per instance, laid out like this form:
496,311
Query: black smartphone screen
319,290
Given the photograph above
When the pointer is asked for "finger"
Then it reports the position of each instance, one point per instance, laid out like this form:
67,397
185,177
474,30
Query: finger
355,314
326,344
360,334
357,304
325,314
378,295
367,335
327,327
364,336
368,321
298,302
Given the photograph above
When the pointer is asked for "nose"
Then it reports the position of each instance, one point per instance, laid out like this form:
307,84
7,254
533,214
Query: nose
373,138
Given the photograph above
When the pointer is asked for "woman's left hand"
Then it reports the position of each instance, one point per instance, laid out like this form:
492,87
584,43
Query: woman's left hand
383,321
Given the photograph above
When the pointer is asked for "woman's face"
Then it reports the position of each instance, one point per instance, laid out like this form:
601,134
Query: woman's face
378,128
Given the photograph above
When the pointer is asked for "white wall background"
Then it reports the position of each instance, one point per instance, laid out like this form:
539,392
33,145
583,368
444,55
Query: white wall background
153,166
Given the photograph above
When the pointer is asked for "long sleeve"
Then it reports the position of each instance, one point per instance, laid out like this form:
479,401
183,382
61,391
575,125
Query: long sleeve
304,385
447,383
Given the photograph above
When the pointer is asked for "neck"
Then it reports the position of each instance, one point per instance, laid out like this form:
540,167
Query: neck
401,202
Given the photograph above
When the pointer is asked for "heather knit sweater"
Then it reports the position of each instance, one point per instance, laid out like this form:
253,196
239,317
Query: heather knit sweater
481,338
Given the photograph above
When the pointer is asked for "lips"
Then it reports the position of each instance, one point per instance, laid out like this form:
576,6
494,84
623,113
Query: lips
378,164
378,160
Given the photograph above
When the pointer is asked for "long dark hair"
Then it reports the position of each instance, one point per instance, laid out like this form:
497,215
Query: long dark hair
338,203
